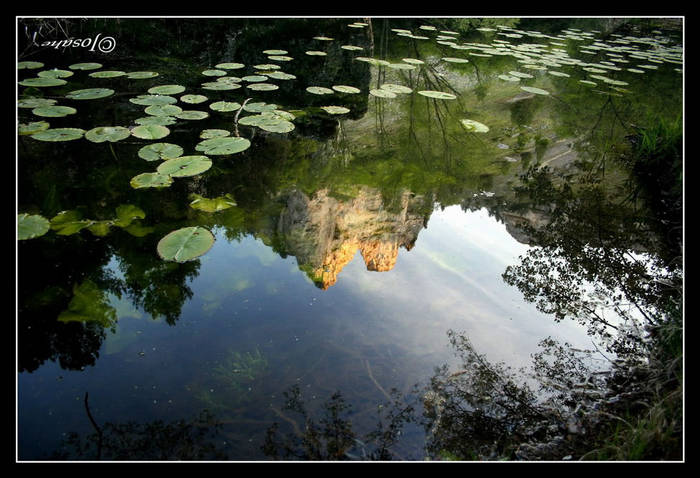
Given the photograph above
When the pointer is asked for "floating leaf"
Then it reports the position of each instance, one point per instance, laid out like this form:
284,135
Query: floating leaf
31,226
107,133
163,110
212,205
451,59
150,131
351,47
225,106
275,52
29,65
558,73
158,151
89,94
126,213
346,89
30,128
68,222
220,86
184,166
262,87
214,133
254,78
380,93
280,58
151,180
141,75
85,66
166,90
55,73
474,126
59,134
532,89
335,110
267,66
440,95
42,82
214,73
107,74
229,66
323,38
413,61
160,120
518,74
34,102
152,100
259,107
401,66
319,90
192,115
399,89
100,228
509,78
222,145
185,244
193,99
315,53
54,111
280,75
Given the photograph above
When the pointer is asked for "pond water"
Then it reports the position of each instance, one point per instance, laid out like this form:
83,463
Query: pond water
345,244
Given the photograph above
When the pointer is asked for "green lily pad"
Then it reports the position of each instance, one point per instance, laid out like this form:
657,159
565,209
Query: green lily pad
214,133
212,205
160,120
335,110
214,73
31,226
280,58
193,99
440,95
220,86
532,89
163,110
474,126
222,145
89,94
413,61
319,90
451,59
229,66
55,73
42,82
275,52
185,244
589,83
280,75
192,115
315,53
34,102
184,166
54,111
166,90
323,38
377,62
30,128
107,133
509,78
158,151
152,100
151,180
380,93
141,75
150,131
85,66
29,65
401,66
254,78
267,66
59,134
69,222
399,89
352,47
262,87
345,89
519,74
225,106
107,74
558,73
259,107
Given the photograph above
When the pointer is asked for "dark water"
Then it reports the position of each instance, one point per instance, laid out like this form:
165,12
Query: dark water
356,243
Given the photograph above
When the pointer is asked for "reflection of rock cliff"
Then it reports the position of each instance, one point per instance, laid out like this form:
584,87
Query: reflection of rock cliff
324,233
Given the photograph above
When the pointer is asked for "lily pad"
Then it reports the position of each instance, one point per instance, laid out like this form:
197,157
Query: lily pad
413,61
89,94
54,111
509,78
151,100
346,89
29,65
280,75
401,66
55,73
34,102
214,133
107,74
380,93
185,244
212,205
474,126
31,226
222,145
193,99
254,78
141,75
150,131
229,66
166,90
107,133
42,82
66,223
451,59
275,52
151,180
352,47
399,89
315,53
267,66
158,151
259,107
59,134
184,166
440,95
280,58
263,87
335,110
532,89
160,120
220,86
85,66
163,110
319,90
30,128
214,73
225,106
192,115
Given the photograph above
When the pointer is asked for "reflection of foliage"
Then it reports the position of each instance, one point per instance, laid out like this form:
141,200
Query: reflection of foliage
89,304
332,437
177,440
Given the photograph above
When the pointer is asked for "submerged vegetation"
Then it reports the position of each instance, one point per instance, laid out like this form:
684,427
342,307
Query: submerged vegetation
320,138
